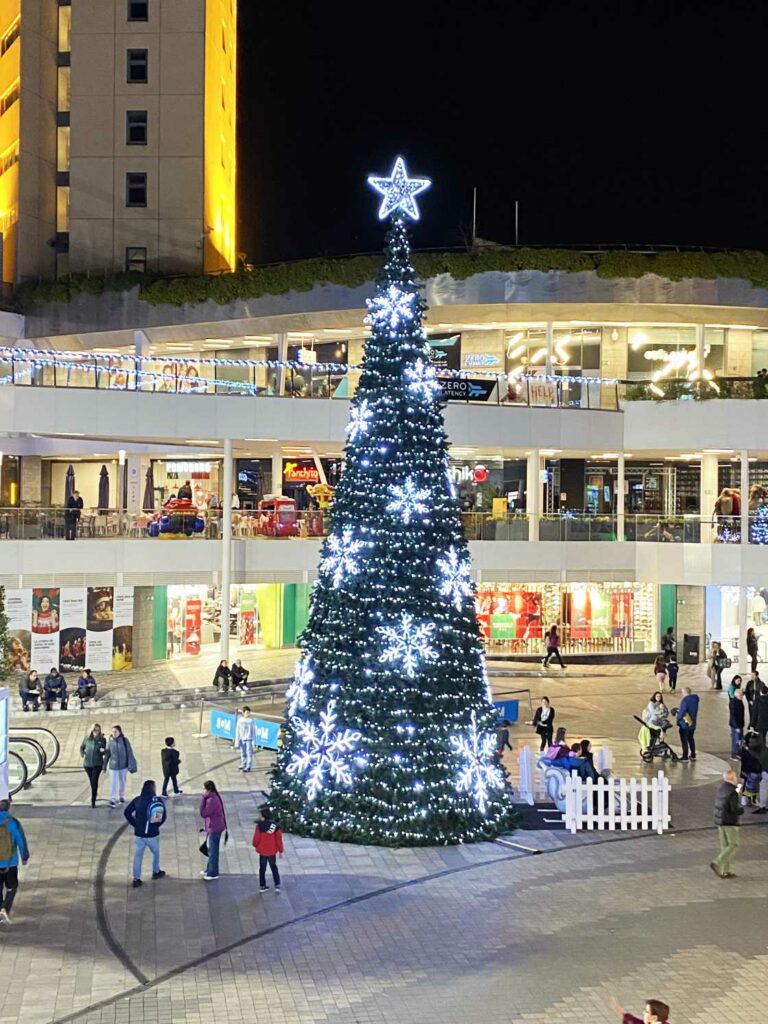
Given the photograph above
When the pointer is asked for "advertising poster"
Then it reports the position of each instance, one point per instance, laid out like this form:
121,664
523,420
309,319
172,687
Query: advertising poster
445,351
621,614
72,637
247,618
46,604
510,615
122,633
99,624
601,613
193,624
18,608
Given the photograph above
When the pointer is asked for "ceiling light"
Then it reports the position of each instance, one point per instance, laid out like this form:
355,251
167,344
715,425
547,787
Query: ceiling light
549,451
717,451
272,440
538,355
257,337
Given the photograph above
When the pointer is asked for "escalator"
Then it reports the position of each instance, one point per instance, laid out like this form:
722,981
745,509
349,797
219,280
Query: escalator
31,753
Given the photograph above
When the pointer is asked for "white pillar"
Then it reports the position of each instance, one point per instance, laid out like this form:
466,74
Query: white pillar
708,496
620,499
277,473
744,488
282,355
533,493
550,348
121,495
135,491
743,656
700,346
226,547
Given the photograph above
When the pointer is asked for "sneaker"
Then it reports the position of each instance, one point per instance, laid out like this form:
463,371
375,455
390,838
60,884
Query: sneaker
693,757
178,792
684,759
714,868
157,874
25,709
122,799
729,874
4,919
203,872
760,810
277,888
113,803
264,888
210,878
241,769
137,882
221,691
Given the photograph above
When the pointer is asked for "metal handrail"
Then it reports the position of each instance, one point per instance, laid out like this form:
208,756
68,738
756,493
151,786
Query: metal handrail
39,767
17,759
23,731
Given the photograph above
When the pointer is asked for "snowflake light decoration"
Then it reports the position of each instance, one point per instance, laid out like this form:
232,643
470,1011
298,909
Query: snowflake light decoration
456,573
296,694
325,751
422,379
359,420
341,559
408,643
399,191
478,774
408,500
392,309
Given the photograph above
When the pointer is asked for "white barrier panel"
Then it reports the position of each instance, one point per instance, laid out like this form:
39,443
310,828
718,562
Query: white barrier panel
617,803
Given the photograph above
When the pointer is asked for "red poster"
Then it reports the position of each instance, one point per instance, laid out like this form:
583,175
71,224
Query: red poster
621,613
581,612
192,625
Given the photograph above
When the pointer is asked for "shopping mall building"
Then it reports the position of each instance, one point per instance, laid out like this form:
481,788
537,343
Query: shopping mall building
595,422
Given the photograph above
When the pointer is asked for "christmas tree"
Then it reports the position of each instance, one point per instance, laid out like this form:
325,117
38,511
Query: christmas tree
390,730
759,528
5,640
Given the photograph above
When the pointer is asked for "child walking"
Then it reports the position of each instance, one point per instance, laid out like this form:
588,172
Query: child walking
660,671
171,761
672,670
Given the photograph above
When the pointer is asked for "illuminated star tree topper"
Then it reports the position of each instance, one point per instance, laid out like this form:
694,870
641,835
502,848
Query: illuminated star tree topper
399,191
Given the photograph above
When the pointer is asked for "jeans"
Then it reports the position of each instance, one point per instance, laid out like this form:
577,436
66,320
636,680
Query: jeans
93,776
118,777
146,843
29,698
553,652
246,755
212,867
272,861
170,778
51,698
688,742
736,737
729,844
9,883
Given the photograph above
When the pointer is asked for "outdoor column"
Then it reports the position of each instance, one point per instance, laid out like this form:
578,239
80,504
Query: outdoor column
533,493
226,547
708,496
744,487
620,500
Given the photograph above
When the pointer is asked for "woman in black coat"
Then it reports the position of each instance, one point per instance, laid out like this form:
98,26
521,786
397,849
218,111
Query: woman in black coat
752,648
544,722
222,677
759,716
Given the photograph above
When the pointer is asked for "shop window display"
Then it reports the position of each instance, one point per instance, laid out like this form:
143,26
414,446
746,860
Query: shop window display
194,619
605,618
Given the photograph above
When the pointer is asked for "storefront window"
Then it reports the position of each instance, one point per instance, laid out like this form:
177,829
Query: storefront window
194,619
714,349
204,478
653,349
722,610
593,618
10,481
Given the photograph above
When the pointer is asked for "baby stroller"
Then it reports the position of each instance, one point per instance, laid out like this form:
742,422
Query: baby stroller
660,748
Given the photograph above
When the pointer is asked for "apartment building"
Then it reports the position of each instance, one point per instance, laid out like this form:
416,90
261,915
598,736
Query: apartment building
117,136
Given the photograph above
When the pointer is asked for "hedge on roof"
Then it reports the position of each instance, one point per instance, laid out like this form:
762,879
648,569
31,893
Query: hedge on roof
355,271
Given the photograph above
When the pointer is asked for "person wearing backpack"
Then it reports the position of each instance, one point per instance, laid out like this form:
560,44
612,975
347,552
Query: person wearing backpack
13,845
120,761
146,813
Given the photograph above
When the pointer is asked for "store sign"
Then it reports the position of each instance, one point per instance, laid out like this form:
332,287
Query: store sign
445,351
302,472
224,725
466,389
190,469
193,619
482,359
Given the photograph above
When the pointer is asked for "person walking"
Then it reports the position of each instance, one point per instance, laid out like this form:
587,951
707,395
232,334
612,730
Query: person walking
668,644
660,671
687,714
146,814
736,720
752,649
758,717
120,760
268,843
171,759
718,661
502,740
728,810
222,677
552,640
215,824
55,690
245,738
750,691
544,723
13,847
31,692
72,515
93,751
672,669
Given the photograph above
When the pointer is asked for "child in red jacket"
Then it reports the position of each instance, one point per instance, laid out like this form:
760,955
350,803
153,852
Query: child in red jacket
268,843
655,1012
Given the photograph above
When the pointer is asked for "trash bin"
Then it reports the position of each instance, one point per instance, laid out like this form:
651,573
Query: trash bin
691,644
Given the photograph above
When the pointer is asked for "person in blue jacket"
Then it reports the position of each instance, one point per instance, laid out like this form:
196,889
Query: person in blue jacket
55,689
13,845
687,714
146,813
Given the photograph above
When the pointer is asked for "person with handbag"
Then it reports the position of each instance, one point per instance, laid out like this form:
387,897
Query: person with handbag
687,714
215,824
121,762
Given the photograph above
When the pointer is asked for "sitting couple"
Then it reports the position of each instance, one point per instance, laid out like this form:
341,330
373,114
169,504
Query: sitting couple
577,757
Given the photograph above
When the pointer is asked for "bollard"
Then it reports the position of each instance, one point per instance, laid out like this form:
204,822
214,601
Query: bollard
199,735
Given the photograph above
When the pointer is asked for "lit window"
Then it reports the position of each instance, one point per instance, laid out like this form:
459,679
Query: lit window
10,37
136,258
138,10
136,189
9,158
62,208
62,148
65,78
7,101
136,132
138,66
65,29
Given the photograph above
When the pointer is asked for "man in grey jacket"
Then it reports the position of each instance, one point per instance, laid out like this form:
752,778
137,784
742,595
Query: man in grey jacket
728,810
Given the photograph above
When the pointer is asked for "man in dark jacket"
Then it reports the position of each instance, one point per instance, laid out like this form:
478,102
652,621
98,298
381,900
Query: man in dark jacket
759,716
146,813
72,515
687,714
55,689
728,810
736,721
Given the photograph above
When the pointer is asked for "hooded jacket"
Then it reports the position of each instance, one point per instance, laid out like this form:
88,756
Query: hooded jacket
93,750
268,838
18,839
120,754
146,813
212,811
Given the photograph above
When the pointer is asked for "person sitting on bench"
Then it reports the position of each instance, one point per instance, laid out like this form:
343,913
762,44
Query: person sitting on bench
30,691
240,676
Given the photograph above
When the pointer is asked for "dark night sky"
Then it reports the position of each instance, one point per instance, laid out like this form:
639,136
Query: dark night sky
610,122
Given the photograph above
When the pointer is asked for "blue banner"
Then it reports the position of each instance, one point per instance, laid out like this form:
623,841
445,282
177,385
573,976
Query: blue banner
509,709
224,724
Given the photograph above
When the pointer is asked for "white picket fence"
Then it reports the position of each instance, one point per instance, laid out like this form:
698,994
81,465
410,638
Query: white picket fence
617,803
532,787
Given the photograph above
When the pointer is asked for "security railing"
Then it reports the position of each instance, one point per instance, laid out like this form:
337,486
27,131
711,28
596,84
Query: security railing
268,524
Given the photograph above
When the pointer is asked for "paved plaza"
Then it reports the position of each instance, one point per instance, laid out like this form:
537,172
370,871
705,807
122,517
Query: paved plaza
494,932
